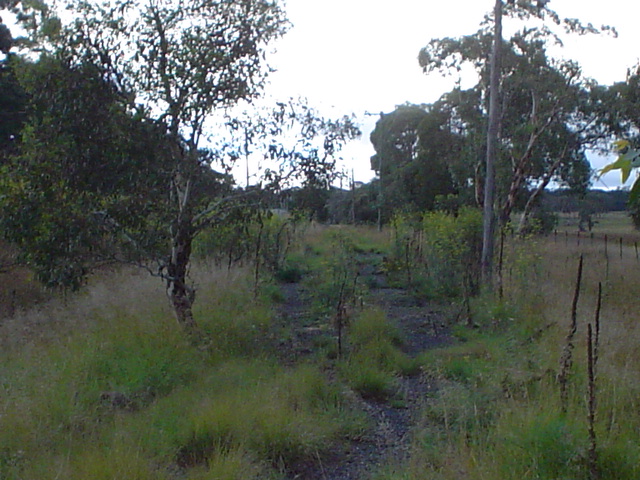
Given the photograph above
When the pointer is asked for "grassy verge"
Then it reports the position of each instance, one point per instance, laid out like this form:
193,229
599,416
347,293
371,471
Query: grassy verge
497,411
104,385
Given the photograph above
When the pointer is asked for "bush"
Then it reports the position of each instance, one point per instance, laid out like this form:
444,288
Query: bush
438,254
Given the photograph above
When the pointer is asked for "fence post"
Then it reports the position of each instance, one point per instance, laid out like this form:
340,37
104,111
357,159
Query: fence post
606,254
620,248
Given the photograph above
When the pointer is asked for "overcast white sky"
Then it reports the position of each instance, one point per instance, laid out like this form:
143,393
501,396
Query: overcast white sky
361,55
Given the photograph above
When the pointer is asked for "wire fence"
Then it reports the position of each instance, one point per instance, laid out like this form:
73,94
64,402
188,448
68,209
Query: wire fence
623,246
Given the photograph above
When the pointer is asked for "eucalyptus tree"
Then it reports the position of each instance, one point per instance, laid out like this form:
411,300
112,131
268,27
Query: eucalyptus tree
165,70
176,64
543,127
414,150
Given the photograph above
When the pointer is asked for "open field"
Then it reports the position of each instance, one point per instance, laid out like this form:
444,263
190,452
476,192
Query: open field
611,223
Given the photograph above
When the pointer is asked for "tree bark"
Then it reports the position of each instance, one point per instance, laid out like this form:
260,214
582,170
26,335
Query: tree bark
181,295
489,221
536,193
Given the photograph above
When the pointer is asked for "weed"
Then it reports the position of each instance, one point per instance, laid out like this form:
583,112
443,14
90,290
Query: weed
375,359
541,445
233,463
437,255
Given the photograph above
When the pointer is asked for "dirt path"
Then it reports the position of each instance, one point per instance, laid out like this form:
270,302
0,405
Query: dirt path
389,441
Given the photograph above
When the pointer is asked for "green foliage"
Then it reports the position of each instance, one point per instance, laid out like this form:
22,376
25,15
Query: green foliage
540,97
13,105
628,160
333,282
439,253
86,178
261,238
413,146
311,202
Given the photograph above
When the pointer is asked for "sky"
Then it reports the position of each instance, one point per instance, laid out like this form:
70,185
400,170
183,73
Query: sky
360,56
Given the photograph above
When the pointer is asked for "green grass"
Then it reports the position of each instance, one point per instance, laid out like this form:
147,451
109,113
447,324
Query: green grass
234,411
496,410
374,359
230,411
281,416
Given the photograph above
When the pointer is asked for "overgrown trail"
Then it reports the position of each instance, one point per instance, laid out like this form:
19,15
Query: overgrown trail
388,442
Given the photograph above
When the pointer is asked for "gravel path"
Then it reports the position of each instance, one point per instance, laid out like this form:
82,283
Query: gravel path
389,442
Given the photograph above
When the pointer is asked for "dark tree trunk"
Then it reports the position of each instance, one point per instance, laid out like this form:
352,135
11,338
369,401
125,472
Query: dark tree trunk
180,293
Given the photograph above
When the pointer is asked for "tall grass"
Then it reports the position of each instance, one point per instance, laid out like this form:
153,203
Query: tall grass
104,385
375,360
497,413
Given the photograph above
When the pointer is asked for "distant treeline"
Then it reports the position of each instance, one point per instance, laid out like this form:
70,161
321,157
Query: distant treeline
595,201
360,205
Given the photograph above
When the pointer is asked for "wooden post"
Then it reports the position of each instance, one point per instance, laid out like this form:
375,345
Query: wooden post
620,248
592,456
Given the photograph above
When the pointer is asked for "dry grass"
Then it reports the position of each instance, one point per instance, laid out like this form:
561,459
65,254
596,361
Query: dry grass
498,414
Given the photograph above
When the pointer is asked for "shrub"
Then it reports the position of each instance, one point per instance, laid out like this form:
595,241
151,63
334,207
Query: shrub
438,254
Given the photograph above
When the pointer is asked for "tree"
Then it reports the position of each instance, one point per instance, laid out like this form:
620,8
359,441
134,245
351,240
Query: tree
412,144
86,177
181,63
544,127
6,39
37,18
488,215
13,108
162,72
